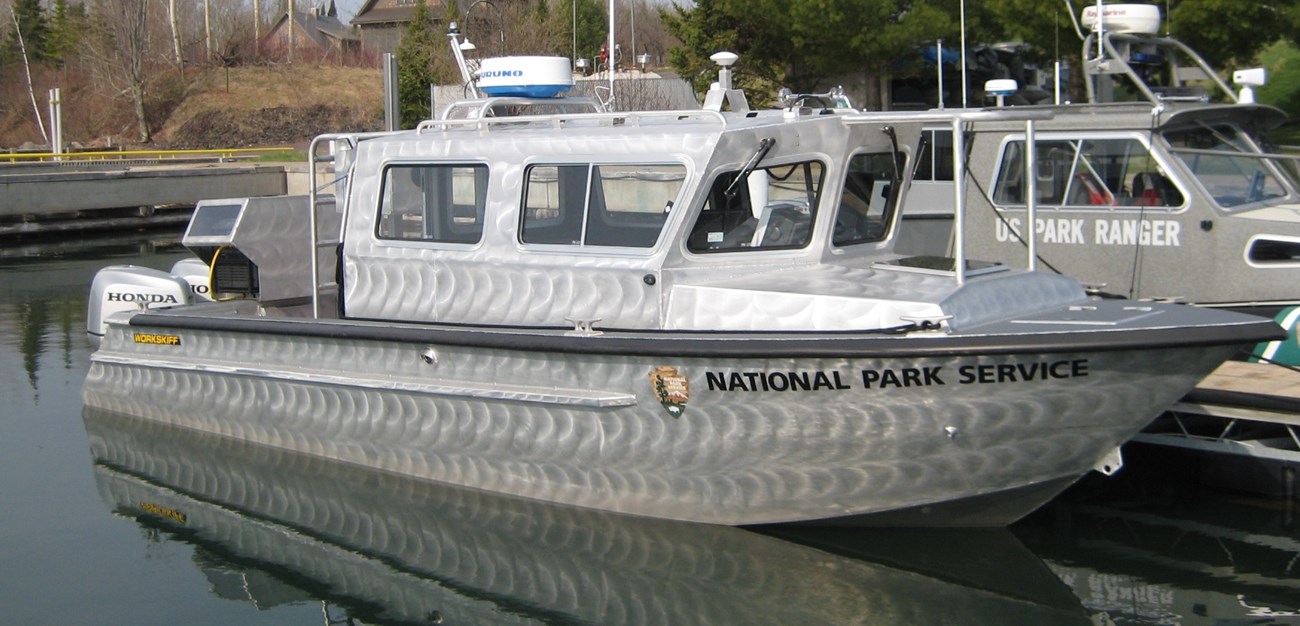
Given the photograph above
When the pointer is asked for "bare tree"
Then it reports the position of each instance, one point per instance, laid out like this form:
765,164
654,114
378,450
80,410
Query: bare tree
22,47
121,44
174,19
233,31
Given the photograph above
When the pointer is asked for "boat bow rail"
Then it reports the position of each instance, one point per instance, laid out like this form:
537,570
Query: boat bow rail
562,120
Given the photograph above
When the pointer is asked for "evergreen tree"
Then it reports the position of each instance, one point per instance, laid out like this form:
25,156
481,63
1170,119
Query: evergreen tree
800,43
32,27
65,28
592,27
415,67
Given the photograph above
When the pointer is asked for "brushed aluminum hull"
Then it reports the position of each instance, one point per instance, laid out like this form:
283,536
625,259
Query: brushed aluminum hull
991,436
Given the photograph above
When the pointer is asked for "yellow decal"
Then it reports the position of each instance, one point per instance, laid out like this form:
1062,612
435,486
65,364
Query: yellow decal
165,512
160,340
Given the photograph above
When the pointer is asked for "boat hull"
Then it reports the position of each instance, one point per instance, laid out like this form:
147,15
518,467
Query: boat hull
963,439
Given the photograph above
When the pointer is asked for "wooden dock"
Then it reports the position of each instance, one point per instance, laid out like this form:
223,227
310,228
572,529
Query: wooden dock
1244,419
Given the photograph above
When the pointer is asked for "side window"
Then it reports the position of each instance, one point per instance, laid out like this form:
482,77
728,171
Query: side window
629,204
433,202
867,204
934,163
1085,173
623,205
554,202
770,209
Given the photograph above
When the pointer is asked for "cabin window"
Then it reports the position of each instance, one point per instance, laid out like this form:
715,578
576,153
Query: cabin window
867,203
433,203
934,162
621,205
1086,173
770,209
1223,160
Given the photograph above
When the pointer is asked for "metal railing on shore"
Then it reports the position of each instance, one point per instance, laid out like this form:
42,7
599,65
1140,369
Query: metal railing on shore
221,155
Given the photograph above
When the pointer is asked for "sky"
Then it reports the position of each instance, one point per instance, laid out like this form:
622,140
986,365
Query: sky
348,8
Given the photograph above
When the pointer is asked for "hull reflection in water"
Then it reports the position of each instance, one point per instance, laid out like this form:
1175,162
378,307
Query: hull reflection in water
1181,556
386,548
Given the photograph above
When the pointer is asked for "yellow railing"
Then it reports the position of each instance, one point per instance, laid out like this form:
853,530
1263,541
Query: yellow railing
137,155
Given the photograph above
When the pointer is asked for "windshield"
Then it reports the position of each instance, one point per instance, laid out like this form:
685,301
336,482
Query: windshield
1102,173
1229,166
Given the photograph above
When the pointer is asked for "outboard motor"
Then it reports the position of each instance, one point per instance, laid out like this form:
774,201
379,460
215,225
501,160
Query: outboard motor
129,288
196,273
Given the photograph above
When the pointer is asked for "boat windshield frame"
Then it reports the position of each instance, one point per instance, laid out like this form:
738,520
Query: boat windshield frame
1081,165
1220,169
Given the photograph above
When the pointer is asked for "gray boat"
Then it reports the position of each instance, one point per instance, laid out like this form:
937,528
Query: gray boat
1161,187
694,315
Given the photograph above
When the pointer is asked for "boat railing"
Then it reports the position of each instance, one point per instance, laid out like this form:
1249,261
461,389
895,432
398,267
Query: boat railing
1114,61
487,107
342,148
957,119
561,120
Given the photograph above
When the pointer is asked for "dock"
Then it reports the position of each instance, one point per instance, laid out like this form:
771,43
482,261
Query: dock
1244,421
71,196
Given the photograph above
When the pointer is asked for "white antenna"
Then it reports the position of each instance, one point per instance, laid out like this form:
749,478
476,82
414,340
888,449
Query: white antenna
938,51
963,54
609,63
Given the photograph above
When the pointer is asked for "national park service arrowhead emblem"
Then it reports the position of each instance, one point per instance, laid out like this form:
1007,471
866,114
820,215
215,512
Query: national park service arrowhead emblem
671,388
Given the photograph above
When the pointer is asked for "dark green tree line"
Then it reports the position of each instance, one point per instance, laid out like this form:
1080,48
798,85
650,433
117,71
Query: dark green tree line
48,35
799,43
421,46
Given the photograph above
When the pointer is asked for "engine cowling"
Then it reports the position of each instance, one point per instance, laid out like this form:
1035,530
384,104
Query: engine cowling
119,288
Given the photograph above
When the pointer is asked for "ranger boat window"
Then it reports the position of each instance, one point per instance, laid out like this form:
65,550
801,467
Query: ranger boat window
868,200
1116,172
583,204
770,209
1223,161
433,202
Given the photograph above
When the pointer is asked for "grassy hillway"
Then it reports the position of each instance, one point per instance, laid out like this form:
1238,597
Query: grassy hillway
273,106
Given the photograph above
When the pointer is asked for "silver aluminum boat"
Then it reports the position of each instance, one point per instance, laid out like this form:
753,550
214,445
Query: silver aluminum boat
694,315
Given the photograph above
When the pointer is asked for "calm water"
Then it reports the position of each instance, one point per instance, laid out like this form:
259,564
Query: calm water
110,520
